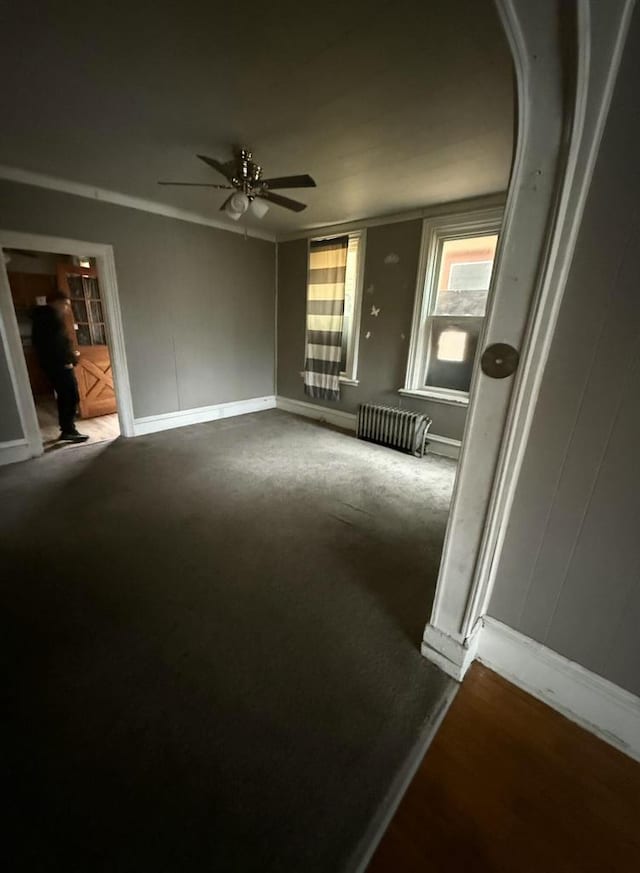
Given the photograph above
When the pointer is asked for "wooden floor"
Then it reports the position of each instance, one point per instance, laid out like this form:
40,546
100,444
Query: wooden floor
510,786
106,427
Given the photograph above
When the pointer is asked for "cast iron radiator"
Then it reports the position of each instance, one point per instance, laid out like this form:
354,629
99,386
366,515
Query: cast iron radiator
397,428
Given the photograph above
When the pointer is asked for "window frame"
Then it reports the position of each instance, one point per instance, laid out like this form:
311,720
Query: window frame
349,376
435,232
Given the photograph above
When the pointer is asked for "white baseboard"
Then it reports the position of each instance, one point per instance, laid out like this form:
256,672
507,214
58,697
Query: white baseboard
13,451
185,417
345,420
445,446
596,704
348,421
454,657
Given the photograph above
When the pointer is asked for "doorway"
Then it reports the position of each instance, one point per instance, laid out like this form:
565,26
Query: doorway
35,276
33,269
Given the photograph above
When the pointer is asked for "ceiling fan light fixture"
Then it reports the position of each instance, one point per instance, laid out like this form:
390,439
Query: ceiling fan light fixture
234,215
259,208
238,203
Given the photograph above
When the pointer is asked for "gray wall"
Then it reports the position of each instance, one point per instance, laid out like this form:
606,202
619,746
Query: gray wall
382,359
197,303
570,572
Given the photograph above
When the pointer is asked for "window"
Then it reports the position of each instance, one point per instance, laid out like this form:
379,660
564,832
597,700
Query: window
351,296
451,301
87,310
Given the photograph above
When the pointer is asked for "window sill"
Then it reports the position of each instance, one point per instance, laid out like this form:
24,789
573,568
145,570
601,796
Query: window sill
436,396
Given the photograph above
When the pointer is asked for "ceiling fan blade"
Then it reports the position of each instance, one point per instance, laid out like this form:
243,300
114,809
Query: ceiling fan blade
224,205
294,205
227,170
303,181
197,185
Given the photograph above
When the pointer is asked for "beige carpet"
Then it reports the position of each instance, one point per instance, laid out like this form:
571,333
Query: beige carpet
211,645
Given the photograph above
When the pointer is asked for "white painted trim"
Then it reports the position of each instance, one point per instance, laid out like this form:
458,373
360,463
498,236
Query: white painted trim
13,451
351,374
547,212
596,704
90,192
457,398
186,417
275,320
117,198
17,365
578,175
445,446
451,655
345,420
435,209
438,445
459,553
107,279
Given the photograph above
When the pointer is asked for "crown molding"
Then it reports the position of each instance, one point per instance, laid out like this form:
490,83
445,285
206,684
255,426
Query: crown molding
434,210
79,189
117,198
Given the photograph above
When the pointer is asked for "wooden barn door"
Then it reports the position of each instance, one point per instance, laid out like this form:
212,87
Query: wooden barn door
89,337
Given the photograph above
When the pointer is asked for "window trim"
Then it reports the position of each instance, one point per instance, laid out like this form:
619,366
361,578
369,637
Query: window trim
349,376
435,231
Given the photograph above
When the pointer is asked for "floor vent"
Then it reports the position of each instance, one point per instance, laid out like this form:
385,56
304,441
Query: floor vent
397,428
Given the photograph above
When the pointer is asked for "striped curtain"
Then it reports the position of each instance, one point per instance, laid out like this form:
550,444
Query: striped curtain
325,309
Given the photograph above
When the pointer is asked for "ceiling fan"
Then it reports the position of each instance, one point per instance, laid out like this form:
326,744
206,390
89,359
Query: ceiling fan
250,189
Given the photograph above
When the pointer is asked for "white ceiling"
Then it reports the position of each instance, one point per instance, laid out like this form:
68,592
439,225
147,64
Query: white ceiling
390,106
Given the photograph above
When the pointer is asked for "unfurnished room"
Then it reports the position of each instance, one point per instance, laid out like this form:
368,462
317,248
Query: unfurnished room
319,353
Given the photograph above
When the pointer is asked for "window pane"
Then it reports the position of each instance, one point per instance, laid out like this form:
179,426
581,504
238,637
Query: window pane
350,279
79,310
452,345
96,310
98,335
83,335
464,275
451,349
76,287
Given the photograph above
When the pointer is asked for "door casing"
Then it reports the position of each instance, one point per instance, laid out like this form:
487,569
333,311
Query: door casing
105,266
565,80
